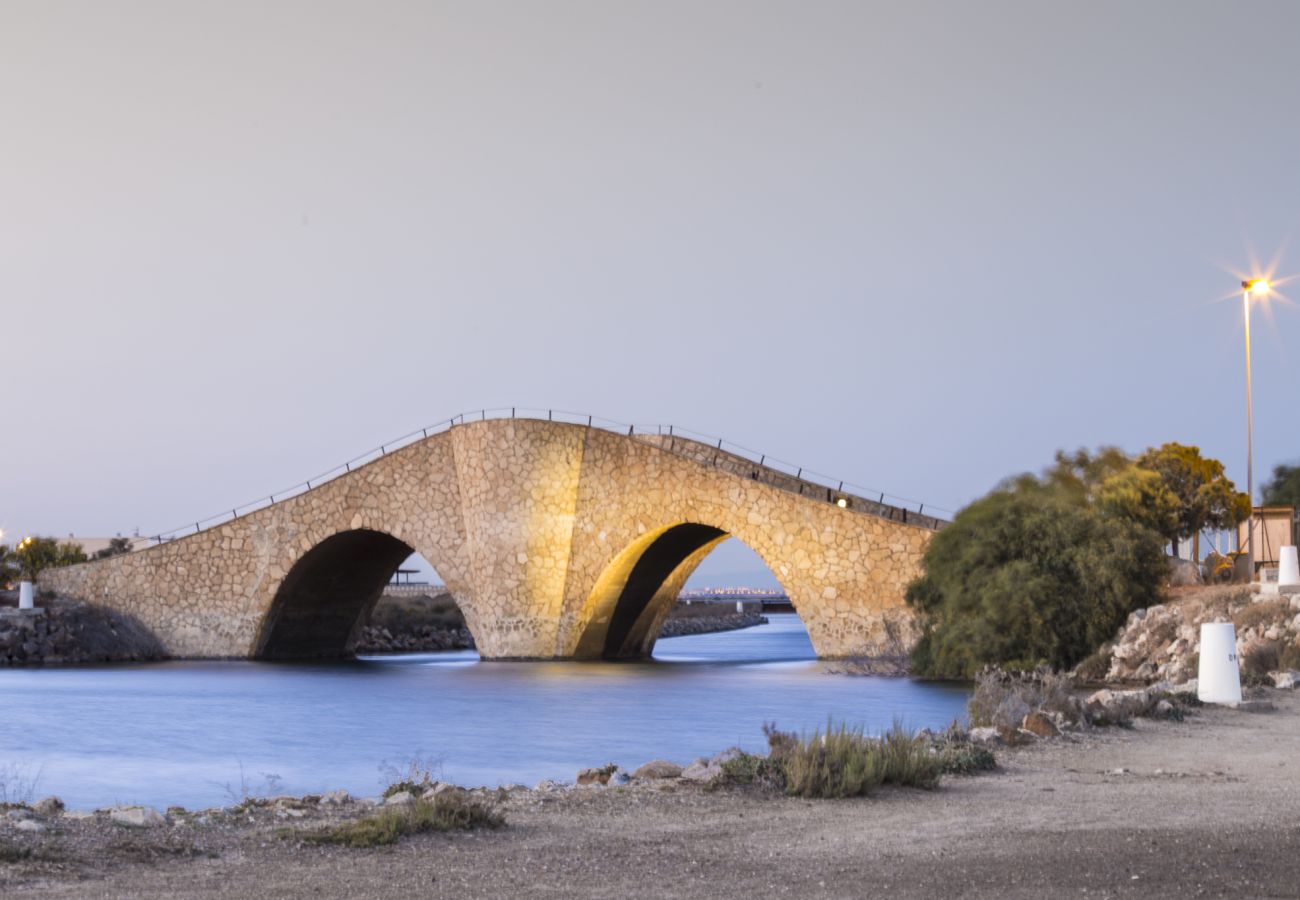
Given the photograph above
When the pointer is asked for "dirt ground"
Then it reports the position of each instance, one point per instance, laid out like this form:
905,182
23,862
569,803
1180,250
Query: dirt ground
1205,807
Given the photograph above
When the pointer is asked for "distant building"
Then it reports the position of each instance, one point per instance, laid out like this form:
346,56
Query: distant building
92,545
1274,528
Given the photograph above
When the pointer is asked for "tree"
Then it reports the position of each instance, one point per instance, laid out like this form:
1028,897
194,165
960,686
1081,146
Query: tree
116,547
1205,497
1283,489
33,555
1033,573
8,566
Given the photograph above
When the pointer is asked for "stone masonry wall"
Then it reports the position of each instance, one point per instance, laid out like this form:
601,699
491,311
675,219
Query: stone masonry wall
521,518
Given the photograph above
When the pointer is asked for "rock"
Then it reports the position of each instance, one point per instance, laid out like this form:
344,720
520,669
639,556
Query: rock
1187,687
658,768
29,825
549,786
701,770
335,798
619,777
1285,680
136,816
1039,725
78,815
18,813
48,806
399,798
726,756
985,736
1163,710
1118,706
596,776
1015,737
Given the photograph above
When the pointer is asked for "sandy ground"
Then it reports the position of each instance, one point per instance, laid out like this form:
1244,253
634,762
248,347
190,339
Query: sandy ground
1205,807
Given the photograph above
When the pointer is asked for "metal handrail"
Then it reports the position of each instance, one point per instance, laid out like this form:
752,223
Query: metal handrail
835,486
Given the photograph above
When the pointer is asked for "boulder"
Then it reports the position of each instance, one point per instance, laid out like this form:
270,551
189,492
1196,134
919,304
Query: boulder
701,770
136,816
1039,725
29,825
399,798
1285,680
335,798
1015,737
78,815
48,806
658,768
985,736
726,756
1163,710
549,786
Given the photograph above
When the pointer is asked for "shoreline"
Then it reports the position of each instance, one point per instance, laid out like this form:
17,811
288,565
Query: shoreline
1207,805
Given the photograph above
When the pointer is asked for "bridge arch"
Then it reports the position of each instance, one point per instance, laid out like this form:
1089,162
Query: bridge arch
328,593
635,592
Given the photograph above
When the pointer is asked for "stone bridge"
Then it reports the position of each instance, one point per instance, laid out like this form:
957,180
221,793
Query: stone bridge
557,540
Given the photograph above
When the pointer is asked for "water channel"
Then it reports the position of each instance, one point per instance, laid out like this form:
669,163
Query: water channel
199,734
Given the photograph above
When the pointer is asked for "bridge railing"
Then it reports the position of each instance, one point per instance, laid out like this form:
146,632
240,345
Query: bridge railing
735,457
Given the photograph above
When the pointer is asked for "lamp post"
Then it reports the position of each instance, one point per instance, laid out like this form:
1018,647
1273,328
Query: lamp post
1258,287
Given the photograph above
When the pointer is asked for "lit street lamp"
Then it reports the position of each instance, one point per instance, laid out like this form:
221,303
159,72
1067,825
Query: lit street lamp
1258,287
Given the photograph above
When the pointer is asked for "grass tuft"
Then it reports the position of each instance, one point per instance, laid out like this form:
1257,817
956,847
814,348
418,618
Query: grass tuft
844,762
445,812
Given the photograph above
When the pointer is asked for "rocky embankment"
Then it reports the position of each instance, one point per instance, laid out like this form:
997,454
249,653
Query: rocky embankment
405,636
73,632
1162,643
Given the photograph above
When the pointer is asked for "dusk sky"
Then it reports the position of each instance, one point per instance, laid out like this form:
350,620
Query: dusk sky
917,246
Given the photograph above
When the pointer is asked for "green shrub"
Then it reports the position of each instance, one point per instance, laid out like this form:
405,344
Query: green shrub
1029,575
958,755
749,768
445,812
1260,658
844,762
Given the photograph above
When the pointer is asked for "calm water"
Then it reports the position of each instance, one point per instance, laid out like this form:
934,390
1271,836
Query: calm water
179,733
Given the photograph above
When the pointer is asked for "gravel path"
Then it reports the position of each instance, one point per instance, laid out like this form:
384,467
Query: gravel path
1206,807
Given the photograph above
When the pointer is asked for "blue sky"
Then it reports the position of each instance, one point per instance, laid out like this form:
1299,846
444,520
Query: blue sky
914,245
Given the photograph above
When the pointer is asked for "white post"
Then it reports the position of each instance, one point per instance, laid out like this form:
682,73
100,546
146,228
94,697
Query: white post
25,595
1288,569
1218,680
740,606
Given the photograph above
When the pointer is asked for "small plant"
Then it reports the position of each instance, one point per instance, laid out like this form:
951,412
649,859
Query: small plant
18,784
417,774
747,768
445,812
1267,612
1003,699
958,755
1260,658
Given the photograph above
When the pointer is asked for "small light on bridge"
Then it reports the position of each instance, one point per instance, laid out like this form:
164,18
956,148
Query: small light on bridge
842,502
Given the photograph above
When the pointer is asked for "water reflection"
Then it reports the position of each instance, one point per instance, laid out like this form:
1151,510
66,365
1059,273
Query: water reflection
191,733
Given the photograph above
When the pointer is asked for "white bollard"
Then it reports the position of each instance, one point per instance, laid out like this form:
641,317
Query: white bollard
25,595
1218,679
1288,568
740,606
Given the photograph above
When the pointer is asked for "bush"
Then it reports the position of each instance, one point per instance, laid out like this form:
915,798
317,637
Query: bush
1264,613
445,812
1029,575
958,755
844,762
1261,657
1003,699
748,768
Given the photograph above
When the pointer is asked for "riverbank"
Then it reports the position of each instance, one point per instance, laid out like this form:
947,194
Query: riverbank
424,623
69,631
1206,806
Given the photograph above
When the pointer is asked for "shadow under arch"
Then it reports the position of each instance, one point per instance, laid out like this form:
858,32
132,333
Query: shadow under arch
637,590
328,593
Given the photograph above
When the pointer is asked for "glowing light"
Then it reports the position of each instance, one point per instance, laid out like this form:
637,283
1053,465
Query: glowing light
1257,286
842,503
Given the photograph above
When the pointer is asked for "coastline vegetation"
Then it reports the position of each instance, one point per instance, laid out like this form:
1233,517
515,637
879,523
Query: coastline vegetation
449,811
1044,569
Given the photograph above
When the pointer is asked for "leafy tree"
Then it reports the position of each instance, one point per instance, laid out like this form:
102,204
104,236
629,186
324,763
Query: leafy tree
116,547
8,566
31,556
1110,480
1030,574
1283,489
1205,497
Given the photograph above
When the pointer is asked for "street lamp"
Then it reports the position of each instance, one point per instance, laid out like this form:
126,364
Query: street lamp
1257,287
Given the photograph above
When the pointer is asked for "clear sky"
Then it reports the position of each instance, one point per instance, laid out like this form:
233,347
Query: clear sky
915,245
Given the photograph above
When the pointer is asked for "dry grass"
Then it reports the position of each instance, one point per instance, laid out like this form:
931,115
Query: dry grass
445,812
843,762
1264,613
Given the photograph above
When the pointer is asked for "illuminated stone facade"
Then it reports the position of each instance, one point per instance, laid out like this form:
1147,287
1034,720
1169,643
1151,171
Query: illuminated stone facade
557,540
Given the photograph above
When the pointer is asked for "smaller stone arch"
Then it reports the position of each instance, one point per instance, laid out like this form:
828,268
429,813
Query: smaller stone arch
328,592
635,592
